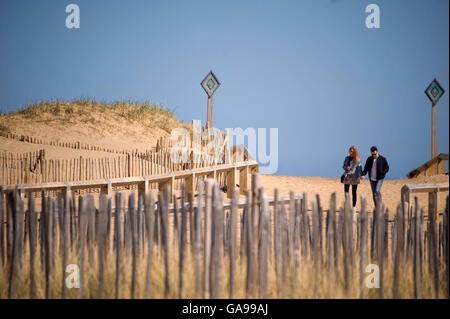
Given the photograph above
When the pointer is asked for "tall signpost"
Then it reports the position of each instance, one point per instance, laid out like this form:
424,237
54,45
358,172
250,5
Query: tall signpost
434,92
210,84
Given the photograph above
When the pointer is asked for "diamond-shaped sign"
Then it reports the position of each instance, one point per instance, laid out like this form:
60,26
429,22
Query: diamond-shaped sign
434,91
210,83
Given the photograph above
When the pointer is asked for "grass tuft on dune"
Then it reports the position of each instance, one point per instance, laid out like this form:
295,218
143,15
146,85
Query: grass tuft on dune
89,110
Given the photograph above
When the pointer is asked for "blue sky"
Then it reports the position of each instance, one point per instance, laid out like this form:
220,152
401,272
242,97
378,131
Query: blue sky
309,68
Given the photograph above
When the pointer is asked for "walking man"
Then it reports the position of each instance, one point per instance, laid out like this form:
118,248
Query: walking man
377,167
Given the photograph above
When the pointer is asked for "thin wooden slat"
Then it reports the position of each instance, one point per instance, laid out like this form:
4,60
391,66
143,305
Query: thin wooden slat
233,239
284,245
163,211
118,232
303,225
434,259
18,212
207,240
217,243
42,232
248,242
48,245
176,229
446,240
315,244
191,218
291,224
149,207
91,225
265,247
83,204
198,238
101,235
416,247
133,219
139,223
296,247
276,233
329,237
183,240
66,242
73,224
255,230
2,222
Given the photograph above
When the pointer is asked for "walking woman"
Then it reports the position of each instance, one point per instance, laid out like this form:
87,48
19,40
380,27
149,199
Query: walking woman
353,169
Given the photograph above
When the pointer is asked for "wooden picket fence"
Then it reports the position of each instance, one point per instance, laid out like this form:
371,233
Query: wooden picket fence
163,142
33,167
77,145
28,161
203,247
28,170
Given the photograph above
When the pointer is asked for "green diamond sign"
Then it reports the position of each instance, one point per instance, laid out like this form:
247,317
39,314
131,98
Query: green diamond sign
434,91
210,83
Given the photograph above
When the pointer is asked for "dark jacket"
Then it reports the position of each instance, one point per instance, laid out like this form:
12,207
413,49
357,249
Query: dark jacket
382,167
355,169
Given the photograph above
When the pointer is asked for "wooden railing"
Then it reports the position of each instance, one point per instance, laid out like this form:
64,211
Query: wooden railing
434,166
35,168
432,190
28,171
236,174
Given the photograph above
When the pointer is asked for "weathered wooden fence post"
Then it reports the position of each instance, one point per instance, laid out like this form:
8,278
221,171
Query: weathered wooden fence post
207,241
101,237
133,221
183,240
198,238
315,244
217,243
362,245
49,246
233,238
32,229
118,234
66,242
2,222
264,245
18,217
416,248
330,234
249,243
433,257
149,206
284,249
163,206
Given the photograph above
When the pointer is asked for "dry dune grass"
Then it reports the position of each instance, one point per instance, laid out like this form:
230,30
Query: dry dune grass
121,125
327,288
